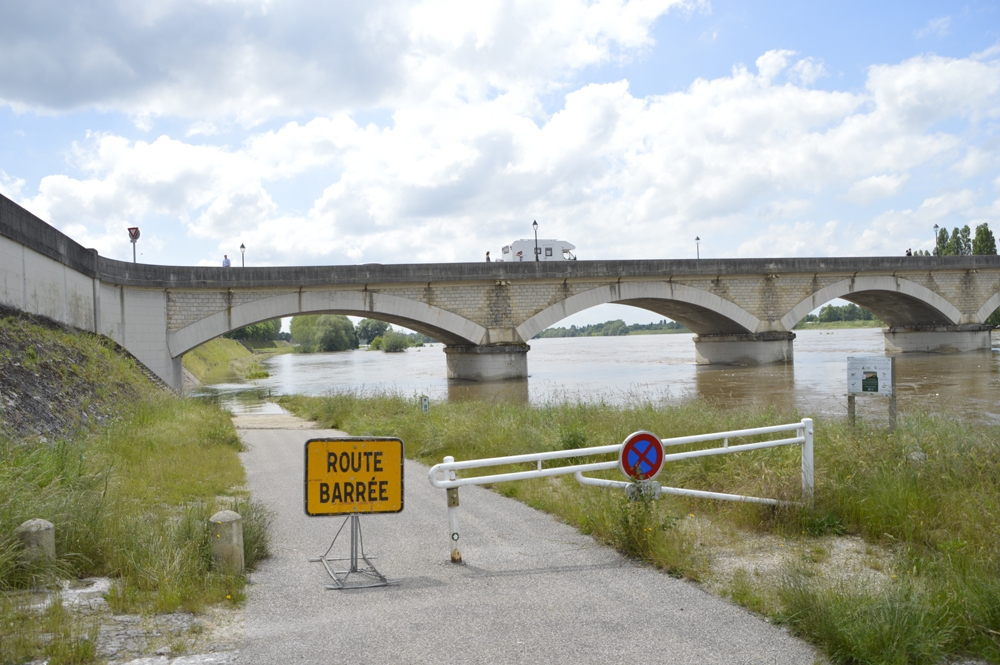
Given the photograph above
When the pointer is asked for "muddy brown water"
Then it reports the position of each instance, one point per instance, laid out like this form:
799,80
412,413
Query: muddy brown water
655,368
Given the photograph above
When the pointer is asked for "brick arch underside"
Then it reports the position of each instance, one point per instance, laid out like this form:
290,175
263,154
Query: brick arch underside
700,311
899,302
427,319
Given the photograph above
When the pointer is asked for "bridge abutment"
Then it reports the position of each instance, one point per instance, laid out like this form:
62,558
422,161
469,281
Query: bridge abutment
746,349
938,339
494,362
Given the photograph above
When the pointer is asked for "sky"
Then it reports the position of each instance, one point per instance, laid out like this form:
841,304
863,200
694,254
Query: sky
319,133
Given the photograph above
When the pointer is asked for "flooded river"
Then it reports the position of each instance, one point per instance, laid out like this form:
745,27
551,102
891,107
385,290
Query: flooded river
657,368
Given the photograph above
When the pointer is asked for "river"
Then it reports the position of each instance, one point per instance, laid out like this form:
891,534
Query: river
655,368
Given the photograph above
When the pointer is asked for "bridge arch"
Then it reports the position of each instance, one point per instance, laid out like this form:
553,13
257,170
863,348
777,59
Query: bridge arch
899,302
988,308
432,321
699,311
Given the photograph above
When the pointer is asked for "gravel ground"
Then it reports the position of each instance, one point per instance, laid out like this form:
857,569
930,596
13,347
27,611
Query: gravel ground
176,638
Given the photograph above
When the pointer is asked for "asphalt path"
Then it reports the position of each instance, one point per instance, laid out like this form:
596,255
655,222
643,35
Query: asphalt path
531,589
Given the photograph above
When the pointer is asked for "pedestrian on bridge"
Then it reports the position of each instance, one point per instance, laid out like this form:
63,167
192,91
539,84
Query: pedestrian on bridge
487,257
225,260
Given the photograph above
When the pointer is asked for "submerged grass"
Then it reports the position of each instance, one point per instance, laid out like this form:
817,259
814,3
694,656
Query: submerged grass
927,493
130,500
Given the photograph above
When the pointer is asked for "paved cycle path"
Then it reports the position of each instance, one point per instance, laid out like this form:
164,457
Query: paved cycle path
531,589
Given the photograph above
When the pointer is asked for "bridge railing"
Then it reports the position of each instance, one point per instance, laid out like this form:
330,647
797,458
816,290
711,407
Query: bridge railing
451,482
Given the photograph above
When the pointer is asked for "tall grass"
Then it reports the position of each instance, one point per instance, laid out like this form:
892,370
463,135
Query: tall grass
130,500
927,491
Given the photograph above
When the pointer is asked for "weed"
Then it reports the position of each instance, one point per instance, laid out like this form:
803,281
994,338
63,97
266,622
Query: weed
571,438
939,510
747,592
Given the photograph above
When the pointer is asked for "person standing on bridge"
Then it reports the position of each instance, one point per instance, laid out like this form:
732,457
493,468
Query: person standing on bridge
225,260
487,257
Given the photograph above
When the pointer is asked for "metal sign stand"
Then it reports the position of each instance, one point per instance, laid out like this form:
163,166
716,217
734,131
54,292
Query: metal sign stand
357,547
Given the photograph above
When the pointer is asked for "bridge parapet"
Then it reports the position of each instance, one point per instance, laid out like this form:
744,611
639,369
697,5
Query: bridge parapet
742,310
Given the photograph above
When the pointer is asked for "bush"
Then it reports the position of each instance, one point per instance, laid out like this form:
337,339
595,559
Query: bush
394,342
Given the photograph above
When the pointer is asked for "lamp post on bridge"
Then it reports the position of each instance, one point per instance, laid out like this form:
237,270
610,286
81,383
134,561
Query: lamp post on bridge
243,251
534,225
937,243
697,248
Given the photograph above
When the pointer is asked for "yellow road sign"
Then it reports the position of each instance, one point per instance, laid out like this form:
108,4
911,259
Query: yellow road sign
354,475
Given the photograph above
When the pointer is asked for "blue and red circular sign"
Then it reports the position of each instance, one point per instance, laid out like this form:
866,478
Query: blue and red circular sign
641,456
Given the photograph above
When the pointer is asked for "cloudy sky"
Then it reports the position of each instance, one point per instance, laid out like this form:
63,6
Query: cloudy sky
433,131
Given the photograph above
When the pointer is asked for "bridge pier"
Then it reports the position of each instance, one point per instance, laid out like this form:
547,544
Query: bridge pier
494,362
938,339
746,349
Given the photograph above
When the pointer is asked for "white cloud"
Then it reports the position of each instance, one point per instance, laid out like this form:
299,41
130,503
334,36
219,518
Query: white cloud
929,89
10,187
889,231
799,239
938,27
621,177
807,71
250,61
975,162
772,63
987,53
876,187
784,208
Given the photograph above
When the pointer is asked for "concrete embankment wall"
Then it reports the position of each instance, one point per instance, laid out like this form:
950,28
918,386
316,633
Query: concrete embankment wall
44,272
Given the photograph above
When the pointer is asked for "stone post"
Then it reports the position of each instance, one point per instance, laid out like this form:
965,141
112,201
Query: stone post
226,528
38,538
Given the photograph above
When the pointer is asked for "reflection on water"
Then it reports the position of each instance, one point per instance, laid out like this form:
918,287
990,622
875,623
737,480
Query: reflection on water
514,390
655,368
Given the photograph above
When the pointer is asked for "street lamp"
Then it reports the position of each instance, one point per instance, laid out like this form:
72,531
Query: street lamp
697,249
937,244
243,251
534,225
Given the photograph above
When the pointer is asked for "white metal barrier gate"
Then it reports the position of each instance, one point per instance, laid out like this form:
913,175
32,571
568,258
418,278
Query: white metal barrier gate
450,482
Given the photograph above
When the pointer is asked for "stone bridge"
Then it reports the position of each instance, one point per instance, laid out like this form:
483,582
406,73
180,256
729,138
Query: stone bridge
742,310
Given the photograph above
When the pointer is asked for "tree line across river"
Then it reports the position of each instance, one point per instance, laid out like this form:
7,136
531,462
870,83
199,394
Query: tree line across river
331,332
618,328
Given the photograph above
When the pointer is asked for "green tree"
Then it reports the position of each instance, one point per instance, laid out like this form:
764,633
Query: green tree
942,242
615,328
369,329
830,313
257,332
324,333
984,244
395,342
966,237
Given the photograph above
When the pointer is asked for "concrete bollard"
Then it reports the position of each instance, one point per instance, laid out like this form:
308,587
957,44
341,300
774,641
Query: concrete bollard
226,529
38,538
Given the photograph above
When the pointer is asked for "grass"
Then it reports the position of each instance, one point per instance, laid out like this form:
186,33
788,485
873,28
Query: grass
222,356
214,356
130,500
65,639
937,513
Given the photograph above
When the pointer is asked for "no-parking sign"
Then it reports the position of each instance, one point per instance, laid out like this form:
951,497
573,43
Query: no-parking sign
641,456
